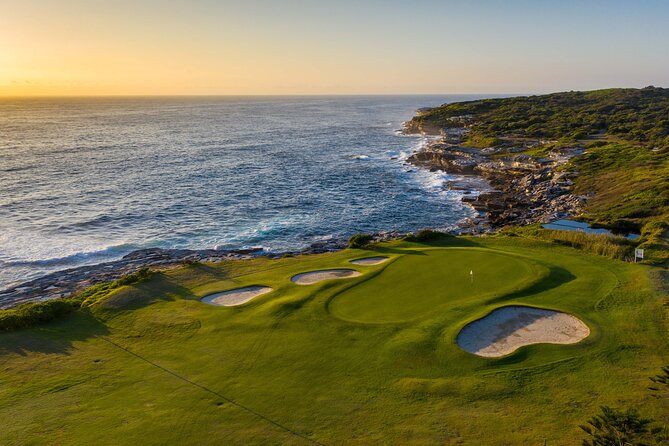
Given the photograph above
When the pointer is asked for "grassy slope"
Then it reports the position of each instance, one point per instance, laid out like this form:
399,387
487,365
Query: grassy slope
155,366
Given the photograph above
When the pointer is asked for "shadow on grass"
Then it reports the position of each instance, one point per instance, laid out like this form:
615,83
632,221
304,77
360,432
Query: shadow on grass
389,250
516,357
55,337
450,242
441,242
290,307
159,287
556,277
203,270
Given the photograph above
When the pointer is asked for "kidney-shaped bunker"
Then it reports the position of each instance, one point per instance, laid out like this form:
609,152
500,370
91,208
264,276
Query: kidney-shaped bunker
507,329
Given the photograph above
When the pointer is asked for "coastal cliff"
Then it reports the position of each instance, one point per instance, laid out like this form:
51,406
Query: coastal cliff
601,156
525,190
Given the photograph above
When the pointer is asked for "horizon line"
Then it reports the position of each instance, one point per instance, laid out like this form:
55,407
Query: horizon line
176,95
229,95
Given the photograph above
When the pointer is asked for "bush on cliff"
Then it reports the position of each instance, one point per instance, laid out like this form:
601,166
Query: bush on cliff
426,235
35,313
481,141
359,241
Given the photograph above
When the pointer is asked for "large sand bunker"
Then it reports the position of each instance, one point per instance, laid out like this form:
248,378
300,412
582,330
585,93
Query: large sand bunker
236,297
508,328
325,274
369,261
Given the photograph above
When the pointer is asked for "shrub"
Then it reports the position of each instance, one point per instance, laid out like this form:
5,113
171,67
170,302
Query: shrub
96,293
426,235
482,141
613,247
655,237
35,313
661,379
617,427
359,241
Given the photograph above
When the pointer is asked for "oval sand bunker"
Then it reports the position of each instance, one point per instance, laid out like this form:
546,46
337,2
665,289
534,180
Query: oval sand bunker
369,261
236,297
507,329
325,274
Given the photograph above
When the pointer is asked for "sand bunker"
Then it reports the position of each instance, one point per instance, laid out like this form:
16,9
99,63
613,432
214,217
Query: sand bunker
326,274
369,261
508,328
236,297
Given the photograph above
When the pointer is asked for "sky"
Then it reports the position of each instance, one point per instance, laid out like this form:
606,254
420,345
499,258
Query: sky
285,47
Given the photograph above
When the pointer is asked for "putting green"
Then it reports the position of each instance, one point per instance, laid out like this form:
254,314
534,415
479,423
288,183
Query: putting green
433,279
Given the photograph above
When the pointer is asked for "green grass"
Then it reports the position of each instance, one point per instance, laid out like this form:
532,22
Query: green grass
151,364
629,184
446,282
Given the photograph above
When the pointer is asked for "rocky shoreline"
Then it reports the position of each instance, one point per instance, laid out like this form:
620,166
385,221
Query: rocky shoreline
505,186
522,190
74,280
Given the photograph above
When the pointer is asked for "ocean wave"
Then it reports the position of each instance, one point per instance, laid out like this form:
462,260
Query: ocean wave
112,251
256,235
431,182
277,178
21,247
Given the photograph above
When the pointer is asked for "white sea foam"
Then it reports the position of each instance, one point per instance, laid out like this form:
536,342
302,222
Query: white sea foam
253,234
26,255
431,182
436,183
26,247
191,174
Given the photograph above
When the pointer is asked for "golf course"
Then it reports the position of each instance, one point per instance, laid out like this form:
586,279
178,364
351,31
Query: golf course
460,340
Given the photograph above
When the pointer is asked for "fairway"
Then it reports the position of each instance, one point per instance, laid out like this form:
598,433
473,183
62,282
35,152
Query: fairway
432,280
367,359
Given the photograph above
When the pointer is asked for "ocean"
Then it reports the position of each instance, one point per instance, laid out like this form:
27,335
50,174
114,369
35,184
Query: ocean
86,180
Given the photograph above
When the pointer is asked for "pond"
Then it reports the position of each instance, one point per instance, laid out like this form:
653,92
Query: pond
571,225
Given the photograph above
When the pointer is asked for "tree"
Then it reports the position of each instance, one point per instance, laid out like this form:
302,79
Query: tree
661,380
359,241
615,427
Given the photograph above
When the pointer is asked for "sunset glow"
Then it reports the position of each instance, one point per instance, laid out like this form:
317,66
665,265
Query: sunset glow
311,47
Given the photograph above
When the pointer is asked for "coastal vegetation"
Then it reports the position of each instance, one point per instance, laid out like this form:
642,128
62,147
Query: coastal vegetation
614,247
359,240
635,115
623,170
360,360
426,235
35,313
617,427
